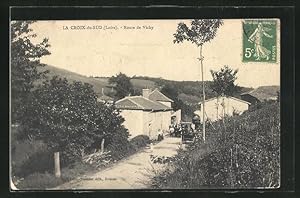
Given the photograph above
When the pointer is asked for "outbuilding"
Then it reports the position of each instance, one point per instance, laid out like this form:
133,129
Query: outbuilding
218,107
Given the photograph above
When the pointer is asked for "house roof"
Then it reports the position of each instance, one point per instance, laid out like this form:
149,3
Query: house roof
264,92
140,103
233,98
158,96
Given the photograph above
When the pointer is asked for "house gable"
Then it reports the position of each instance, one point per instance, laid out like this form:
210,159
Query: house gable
158,96
229,97
217,108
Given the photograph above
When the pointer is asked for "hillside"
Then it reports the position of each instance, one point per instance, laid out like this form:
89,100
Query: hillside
72,76
97,82
189,92
240,152
264,92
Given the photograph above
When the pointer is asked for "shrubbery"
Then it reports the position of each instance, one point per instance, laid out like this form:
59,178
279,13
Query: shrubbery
40,181
27,154
75,170
240,152
68,118
139,141
39,162
118,151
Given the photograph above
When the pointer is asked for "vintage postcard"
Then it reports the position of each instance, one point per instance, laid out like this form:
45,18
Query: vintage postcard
145,104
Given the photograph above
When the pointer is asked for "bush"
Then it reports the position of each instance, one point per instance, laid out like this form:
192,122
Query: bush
75,170
241,152
39,181
139,141
98,159
120,147
67,118
45,180
38,162
22,152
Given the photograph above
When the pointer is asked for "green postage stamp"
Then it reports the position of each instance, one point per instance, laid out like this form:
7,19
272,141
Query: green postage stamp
259,40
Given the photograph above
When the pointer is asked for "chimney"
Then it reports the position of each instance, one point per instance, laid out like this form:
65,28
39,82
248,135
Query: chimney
146,93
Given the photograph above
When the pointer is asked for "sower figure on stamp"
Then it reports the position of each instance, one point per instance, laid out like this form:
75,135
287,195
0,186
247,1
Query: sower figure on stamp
257,38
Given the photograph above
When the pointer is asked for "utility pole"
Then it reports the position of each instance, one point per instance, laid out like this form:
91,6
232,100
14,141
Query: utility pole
200,32
203,94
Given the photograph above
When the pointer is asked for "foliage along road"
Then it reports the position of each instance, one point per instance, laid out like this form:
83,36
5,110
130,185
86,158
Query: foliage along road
133,172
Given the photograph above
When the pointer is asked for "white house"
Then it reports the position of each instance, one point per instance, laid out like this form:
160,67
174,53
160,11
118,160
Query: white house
216,108
156,95
144,116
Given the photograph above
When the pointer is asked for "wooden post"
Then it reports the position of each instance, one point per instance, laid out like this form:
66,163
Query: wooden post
56,165
102,145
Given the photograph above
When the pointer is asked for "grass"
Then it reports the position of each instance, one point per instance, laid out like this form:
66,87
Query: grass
241,152
46,180
39,181
72,76
98,83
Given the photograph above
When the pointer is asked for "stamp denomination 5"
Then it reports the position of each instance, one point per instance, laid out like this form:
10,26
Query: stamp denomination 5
259,41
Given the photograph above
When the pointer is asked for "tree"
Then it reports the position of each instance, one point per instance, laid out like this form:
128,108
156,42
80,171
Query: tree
109,122
59,113
25,60
68,118
171,91
122,85
200,32
223,81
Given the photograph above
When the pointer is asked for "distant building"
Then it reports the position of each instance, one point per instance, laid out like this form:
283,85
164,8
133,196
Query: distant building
218,107
144,116
261,94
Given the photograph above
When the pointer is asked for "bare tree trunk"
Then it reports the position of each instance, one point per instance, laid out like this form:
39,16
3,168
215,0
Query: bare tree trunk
57,165
203,93
102,145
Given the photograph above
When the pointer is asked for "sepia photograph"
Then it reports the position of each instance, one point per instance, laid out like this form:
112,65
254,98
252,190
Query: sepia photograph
150,104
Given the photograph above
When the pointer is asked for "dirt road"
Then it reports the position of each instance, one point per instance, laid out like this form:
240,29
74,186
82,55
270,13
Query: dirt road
133,172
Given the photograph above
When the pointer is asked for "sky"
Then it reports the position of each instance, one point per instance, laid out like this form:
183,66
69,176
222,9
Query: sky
149,50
